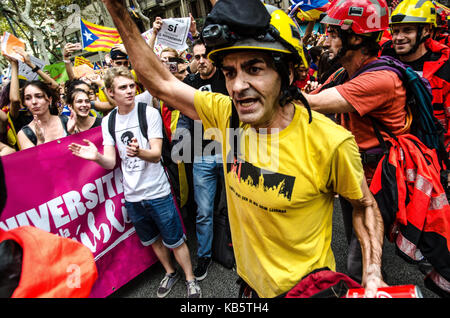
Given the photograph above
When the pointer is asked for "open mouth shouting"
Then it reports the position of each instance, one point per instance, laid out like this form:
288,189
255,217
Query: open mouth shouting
247,104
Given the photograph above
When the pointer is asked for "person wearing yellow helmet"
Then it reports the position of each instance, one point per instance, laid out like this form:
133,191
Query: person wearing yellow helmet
416,18
280,195
411,25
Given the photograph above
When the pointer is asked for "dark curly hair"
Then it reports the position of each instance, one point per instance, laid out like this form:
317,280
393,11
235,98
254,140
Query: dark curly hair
47,90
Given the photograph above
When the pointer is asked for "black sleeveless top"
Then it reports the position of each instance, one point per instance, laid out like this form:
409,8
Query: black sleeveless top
32,136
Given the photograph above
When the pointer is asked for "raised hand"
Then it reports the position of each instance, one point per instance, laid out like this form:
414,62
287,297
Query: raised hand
69,48
157,25
72,123
24,54
97,80
193,26
39,130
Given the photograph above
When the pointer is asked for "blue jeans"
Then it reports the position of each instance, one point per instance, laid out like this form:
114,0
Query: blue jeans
154,218
206,172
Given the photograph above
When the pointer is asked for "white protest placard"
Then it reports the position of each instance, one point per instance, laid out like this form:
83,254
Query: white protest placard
26,71
174,32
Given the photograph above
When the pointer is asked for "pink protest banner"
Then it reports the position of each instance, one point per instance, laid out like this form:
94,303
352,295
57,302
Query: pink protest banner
49,188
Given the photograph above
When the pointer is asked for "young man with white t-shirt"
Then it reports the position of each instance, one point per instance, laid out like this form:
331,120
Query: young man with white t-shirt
148,197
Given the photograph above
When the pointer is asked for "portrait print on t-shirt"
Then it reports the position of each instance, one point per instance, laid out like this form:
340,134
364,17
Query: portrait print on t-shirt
132,164
206,88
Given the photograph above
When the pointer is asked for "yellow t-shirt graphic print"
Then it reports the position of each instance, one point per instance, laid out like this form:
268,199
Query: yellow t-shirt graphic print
280,193
275,186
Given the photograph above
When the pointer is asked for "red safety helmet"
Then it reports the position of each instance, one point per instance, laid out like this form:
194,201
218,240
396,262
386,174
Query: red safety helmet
361,16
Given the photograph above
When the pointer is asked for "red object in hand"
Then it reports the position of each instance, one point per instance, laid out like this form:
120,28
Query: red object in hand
402,291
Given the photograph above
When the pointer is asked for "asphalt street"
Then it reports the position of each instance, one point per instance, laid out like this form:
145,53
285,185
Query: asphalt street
221,282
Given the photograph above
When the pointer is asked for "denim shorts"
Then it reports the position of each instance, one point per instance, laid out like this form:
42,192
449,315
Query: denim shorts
154,218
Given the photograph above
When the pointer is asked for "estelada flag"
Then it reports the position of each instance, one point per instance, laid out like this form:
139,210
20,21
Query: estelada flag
98,38
308,10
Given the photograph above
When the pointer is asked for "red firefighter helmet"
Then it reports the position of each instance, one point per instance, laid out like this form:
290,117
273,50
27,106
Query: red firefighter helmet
361,16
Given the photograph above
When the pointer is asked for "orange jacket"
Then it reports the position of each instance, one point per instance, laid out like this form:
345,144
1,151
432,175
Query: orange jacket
52,266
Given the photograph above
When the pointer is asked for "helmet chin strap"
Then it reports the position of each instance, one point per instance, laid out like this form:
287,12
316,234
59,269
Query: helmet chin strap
346,46
288,92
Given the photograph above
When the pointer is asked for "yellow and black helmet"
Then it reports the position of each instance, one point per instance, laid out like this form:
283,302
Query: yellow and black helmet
251,25
414,11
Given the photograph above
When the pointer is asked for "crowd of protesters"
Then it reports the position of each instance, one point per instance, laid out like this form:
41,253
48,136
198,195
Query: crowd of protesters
35,112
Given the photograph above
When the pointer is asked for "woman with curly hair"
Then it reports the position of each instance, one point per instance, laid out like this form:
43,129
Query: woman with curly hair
46,125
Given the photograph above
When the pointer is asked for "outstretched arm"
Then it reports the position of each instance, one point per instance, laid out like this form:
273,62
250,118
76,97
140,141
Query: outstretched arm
369,229
329,101
157,24
90,152
156,78
27,60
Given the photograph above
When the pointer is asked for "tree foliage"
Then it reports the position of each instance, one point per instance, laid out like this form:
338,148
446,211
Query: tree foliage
41,23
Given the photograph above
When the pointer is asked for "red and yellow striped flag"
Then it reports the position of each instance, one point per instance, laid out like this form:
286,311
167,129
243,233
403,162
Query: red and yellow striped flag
82,60
98,38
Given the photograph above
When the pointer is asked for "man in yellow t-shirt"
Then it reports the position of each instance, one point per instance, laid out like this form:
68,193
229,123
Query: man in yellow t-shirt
283,167
282,193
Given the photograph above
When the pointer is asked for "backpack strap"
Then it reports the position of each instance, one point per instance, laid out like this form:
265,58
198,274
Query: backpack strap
112,124
142,117
380,65
64,119
376,123
30,134
339,78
